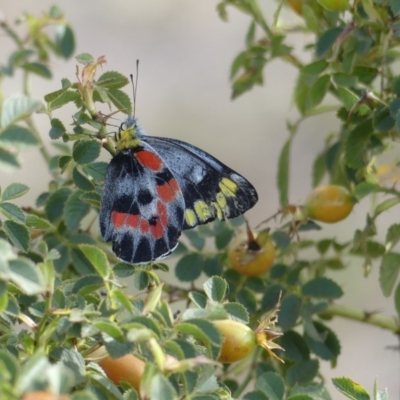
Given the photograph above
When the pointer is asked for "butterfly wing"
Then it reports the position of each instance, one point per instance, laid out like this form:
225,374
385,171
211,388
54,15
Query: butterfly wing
210,189
142,206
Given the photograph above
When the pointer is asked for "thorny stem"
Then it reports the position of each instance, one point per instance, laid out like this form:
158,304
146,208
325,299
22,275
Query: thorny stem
383,321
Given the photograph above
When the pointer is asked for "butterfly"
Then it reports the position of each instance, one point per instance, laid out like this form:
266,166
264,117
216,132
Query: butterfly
155,187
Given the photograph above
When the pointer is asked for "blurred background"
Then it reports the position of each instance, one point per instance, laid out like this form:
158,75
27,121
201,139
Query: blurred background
185,54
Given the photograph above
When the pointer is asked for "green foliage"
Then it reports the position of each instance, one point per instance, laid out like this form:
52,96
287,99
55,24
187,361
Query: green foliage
62,286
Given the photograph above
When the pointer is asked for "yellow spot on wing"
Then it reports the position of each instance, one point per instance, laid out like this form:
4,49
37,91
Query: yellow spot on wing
202,210
190,217
228,187
221,200
218,209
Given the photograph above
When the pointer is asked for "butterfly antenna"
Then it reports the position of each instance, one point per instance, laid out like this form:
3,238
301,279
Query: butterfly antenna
134,87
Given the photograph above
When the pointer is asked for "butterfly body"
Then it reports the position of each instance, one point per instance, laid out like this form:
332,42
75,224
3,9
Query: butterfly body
156,187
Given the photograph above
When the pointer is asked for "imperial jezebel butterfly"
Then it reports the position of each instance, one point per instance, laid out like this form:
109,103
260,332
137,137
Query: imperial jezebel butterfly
156,187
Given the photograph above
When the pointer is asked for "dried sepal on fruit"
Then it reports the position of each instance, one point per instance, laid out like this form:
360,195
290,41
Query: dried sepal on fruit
252,255
265,333
239,340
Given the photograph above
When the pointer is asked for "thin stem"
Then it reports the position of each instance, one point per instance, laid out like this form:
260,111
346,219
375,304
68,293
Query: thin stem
383,321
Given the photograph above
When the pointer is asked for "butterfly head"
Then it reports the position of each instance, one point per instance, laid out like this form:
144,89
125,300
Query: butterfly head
128,135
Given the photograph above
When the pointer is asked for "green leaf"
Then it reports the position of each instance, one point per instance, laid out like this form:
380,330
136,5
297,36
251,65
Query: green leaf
296,348
65,40
27,276
124,270
289,311
141,279
38,68
342,79
161,388
283,173
92,198
96,170
237,312
196,240
84,58
347,97
326,41
81,181
57,128
63,162
350,389
215,288
356,144
85,151
88,284
318,169
35,222
319,89
16,108
389,271
109,327
329,348
199,299
55,204
189,267
365,74
74,211
200,329
97,258
393,235
395,7
382,119
322,287
255,395
13,212
302,372
18,235
61,98
8,161
18,138
223,237
120,100
386,205
112,80
72,359
315,68
272,385
364,189
247,298
14,191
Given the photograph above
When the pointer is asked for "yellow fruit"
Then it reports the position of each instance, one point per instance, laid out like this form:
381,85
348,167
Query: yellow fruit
334,5
251,260
238,340
127,368
329,203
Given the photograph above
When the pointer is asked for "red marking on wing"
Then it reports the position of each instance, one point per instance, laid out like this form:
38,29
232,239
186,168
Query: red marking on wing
133,220
118,219
157,230
168,190
149,160
163,213
144,225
